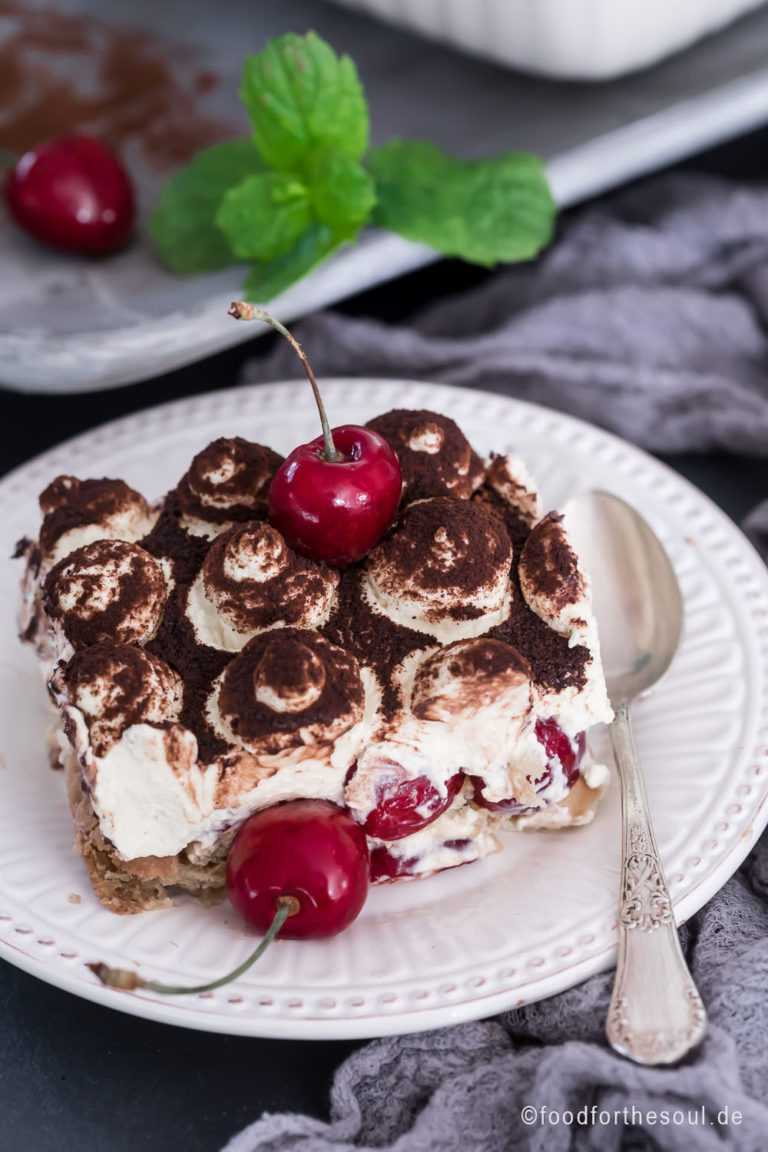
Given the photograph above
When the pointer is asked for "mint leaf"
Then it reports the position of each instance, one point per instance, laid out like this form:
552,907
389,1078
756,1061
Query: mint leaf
300,95
342,191
269,278
265,215
183,223
484,211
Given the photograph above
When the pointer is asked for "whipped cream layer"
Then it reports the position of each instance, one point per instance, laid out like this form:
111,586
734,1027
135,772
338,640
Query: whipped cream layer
557,590
152,794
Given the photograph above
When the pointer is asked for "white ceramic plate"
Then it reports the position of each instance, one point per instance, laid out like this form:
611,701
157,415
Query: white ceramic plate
534,919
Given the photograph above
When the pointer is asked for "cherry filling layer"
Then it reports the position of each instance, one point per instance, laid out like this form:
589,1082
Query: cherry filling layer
386,865
404,806
564,757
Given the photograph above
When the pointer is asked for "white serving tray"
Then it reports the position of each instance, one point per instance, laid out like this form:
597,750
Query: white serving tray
68,325
570,39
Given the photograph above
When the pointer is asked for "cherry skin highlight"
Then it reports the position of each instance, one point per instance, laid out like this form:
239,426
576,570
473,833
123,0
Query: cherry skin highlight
561,752
337,510
405,806
310,849
72,193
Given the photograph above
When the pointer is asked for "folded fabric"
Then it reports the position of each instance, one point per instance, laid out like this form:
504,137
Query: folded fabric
649,316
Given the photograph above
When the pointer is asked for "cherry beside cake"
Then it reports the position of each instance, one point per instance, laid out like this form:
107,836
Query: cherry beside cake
205,666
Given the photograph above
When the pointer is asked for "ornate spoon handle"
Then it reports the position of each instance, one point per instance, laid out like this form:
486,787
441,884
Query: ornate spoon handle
656,1014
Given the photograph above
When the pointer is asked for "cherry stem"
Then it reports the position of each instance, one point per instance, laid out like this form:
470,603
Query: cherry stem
128,981
242,311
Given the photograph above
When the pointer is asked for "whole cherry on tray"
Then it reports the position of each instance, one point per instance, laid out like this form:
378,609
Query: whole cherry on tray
301,866
72,193
334,498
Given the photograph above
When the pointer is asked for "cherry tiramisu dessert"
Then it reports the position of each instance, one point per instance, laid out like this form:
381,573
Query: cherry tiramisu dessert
382,641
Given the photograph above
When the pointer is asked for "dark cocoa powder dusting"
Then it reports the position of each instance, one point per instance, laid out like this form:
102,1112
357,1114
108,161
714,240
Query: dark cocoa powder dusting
235,513
253,466
198,665
341,695
445,542
554,665
284,598
62,72
124,667
551,564
376,641
24,547
484,659
168,540
69,503
143,583
455,468
176,642
366,635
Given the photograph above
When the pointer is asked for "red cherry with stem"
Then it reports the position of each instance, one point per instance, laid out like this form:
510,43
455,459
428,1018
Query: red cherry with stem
336,512
563,754
405,806
72,193
334,498
310,849
299,868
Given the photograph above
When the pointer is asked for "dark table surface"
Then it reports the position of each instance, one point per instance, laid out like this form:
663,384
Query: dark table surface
76,1075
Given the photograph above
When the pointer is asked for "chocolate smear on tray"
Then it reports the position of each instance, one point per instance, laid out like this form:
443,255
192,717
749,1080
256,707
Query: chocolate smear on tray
61,73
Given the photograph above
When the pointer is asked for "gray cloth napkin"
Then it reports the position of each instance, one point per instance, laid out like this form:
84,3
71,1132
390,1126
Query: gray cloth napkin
649,316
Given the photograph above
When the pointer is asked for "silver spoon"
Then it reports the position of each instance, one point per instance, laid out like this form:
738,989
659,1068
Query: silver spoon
656,1014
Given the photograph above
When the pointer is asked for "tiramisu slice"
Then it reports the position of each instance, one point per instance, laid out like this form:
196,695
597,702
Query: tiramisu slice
439,689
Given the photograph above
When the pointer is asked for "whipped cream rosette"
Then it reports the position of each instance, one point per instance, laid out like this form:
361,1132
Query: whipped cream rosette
226,483
115,686
252,581
444,569
78,512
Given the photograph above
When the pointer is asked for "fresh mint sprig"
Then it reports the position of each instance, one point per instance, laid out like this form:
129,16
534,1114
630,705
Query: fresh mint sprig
301,188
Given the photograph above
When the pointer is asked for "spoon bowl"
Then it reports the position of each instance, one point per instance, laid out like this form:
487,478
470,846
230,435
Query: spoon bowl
656,1015
635,593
